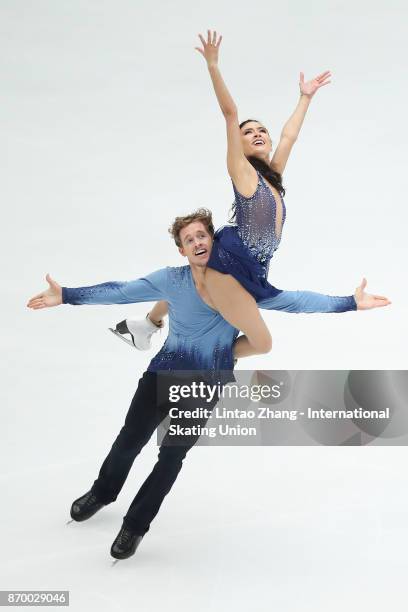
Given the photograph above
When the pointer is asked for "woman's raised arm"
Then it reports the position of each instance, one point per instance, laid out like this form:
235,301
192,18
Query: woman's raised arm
291,129
236,161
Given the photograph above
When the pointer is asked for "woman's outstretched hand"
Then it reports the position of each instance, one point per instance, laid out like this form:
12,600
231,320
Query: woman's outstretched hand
310,87
51,297
366,301
210,47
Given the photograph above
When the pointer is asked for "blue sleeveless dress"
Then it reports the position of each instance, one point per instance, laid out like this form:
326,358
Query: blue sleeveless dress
245,249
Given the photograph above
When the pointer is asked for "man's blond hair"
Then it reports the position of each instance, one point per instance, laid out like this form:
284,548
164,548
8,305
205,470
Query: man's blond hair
201,214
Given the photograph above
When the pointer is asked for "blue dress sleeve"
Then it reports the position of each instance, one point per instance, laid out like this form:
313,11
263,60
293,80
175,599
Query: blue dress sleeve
147,289
308,301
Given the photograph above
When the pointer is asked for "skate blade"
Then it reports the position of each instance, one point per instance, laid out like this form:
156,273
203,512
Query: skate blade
118,335
68,522
115,562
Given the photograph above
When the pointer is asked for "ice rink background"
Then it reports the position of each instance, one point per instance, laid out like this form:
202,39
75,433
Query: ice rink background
109,129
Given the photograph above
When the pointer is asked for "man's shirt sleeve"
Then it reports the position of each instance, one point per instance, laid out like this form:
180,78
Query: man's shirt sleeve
146,289
308,301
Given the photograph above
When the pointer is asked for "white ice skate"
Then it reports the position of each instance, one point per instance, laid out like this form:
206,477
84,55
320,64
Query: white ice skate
140,332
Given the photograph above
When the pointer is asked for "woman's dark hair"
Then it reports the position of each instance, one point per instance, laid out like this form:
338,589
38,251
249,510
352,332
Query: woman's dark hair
274,178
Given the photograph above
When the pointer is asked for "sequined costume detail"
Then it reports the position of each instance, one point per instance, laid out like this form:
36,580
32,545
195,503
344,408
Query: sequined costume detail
245,250
256,221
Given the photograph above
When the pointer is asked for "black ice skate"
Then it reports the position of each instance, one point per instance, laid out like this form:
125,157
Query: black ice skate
86,506
125,543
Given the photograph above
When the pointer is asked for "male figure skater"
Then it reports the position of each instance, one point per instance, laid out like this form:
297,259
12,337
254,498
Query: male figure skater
199,339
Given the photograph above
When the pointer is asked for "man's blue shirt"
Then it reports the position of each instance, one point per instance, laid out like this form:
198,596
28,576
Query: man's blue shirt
199,338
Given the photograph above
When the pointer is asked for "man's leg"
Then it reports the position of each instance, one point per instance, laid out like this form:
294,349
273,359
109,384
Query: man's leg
141,421
172,452
150,496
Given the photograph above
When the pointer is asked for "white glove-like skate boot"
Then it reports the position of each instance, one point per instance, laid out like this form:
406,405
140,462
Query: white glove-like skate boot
140,332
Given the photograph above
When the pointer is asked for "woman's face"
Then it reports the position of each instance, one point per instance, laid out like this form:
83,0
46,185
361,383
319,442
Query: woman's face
256,140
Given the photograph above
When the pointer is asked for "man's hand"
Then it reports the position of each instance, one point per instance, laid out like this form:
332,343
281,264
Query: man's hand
210,47
366,301
310,87
51,297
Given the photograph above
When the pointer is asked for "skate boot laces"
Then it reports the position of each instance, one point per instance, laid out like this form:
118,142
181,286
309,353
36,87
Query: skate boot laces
124,536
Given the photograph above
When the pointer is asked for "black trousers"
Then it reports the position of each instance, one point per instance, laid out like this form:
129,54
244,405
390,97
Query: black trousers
146,412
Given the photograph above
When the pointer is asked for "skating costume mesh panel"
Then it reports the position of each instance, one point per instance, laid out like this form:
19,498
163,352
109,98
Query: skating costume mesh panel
245,250
256,222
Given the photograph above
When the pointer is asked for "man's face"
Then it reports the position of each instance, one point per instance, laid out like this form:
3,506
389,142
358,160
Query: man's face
196,243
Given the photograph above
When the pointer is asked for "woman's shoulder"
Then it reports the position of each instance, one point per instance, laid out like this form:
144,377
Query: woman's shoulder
254,188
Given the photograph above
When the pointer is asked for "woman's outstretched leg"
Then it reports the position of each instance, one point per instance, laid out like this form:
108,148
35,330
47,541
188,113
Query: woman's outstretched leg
158,312
240,309
139,332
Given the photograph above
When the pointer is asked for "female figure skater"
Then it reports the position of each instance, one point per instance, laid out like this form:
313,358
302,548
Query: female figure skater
236,274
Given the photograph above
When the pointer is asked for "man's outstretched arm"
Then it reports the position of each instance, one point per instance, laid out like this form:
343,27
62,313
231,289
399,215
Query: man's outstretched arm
310,301
147,289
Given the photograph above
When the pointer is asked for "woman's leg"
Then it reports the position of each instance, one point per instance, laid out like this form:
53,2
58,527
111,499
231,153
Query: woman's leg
243,348
240,309
158,312
141,330
156,316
